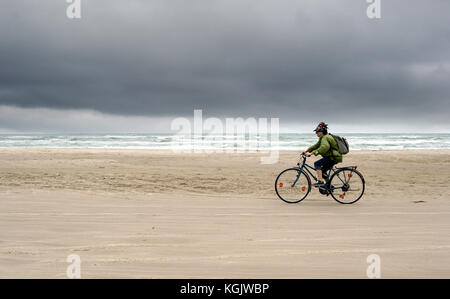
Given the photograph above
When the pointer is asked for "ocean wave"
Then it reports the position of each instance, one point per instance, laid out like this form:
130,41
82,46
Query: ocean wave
175,141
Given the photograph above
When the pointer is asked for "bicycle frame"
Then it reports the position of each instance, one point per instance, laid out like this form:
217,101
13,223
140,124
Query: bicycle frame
307,168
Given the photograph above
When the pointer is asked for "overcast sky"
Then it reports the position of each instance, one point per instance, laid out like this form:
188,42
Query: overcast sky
134,65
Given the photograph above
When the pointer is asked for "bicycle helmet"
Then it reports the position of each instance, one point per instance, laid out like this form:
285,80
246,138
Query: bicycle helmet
321,127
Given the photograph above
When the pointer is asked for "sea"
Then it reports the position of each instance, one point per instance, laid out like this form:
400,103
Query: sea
284,141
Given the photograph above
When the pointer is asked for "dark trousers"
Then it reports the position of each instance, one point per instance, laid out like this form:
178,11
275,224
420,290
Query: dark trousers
324,164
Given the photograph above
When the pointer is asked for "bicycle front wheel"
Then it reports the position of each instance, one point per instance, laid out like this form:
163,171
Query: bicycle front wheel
292,186
347,185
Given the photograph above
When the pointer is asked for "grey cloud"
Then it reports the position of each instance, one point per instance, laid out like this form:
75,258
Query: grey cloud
297,60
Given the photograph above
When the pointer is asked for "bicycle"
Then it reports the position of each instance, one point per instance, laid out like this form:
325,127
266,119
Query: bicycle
294,184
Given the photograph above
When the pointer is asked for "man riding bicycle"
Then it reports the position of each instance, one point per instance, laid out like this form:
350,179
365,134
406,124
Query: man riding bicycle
328,148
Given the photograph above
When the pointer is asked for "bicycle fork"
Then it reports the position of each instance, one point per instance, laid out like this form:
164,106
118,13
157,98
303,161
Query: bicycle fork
298,176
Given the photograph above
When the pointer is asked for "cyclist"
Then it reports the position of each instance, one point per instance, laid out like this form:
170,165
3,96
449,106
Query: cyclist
327,147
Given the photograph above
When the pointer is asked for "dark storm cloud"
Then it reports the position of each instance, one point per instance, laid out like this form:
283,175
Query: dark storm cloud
298,60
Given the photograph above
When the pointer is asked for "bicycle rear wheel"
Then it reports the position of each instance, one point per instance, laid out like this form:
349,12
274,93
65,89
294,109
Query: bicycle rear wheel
347,185
292,186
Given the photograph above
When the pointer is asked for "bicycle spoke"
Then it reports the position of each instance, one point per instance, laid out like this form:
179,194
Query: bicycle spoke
292,186
349,188
350,175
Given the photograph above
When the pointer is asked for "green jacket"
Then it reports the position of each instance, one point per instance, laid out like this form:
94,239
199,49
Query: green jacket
326,147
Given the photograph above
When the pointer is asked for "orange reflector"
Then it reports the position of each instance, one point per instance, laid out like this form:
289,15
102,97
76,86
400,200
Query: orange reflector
281,184
303,188
350,175
342,196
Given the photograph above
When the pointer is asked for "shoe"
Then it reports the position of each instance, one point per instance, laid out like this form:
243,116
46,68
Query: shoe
318,184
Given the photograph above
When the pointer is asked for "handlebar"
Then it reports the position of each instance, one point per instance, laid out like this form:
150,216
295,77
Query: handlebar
302,155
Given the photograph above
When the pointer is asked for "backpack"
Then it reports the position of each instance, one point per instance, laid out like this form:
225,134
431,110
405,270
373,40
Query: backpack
342,143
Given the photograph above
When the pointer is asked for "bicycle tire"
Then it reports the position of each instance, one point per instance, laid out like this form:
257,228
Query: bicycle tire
337,197
307,191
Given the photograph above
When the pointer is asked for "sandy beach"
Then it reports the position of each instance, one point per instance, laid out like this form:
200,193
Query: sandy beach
160,214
